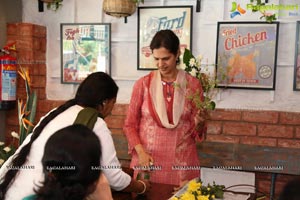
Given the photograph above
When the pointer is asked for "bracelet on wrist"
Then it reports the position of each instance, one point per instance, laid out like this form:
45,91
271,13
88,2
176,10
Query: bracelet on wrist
145,187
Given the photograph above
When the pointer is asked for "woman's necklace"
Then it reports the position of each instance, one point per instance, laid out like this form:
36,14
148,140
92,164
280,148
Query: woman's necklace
168,86
168,83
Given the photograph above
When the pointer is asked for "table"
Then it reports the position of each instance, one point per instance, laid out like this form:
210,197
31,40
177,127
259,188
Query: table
158,191
252,158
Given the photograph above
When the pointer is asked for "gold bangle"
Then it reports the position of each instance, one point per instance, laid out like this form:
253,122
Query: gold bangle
145,187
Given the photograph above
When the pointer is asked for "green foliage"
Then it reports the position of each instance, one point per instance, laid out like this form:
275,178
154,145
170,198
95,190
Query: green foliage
256,7
54,5
208,82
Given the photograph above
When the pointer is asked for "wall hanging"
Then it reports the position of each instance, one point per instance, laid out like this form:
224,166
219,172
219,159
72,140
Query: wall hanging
85,48
51,4
297,59
247,51
153,19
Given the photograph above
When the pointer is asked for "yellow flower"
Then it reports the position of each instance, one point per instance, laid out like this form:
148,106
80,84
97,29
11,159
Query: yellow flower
202,197
193,186
187,196
195,190
24,73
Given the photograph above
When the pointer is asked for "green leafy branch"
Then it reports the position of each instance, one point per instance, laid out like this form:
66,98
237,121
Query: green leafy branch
256,7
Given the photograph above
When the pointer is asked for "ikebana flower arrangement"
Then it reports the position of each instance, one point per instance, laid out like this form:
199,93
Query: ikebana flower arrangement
208,81
195,190
26,116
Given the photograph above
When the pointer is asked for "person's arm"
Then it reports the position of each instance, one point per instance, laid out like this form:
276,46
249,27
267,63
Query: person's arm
132,122
109,163
133,116
138,186
197,116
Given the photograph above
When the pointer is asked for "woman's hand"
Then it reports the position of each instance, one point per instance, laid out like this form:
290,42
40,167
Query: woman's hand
145,186
200,125
144,157
199,119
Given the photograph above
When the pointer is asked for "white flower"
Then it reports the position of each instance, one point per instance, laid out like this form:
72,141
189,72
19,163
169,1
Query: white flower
193,72
7,149
2,143
200,57
192,62
15,134
1,161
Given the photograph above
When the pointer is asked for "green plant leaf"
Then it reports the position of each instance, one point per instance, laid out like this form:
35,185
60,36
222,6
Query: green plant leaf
212,105
32,107
187,55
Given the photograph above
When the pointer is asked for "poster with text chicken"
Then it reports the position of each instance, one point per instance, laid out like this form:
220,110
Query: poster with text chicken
246,54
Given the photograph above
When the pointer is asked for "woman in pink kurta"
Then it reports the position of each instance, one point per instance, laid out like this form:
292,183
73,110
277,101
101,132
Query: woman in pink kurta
160,123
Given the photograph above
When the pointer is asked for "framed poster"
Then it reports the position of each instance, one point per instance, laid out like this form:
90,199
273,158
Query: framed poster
246,54
297,59
85,48
153,19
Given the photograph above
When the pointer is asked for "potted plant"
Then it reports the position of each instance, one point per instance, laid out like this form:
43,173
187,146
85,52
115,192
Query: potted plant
53,4
120,8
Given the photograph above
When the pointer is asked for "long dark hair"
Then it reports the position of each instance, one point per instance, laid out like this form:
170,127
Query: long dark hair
167,39
92,92
70,171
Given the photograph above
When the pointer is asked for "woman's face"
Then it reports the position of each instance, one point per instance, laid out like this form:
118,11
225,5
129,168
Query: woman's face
107,107
165,60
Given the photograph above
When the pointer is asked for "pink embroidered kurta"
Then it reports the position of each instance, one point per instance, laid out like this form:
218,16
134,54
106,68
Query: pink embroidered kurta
174,148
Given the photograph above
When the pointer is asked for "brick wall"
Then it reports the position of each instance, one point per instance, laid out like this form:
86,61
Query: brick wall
31,43
268,128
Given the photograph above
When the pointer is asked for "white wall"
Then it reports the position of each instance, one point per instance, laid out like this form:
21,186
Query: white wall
124,49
